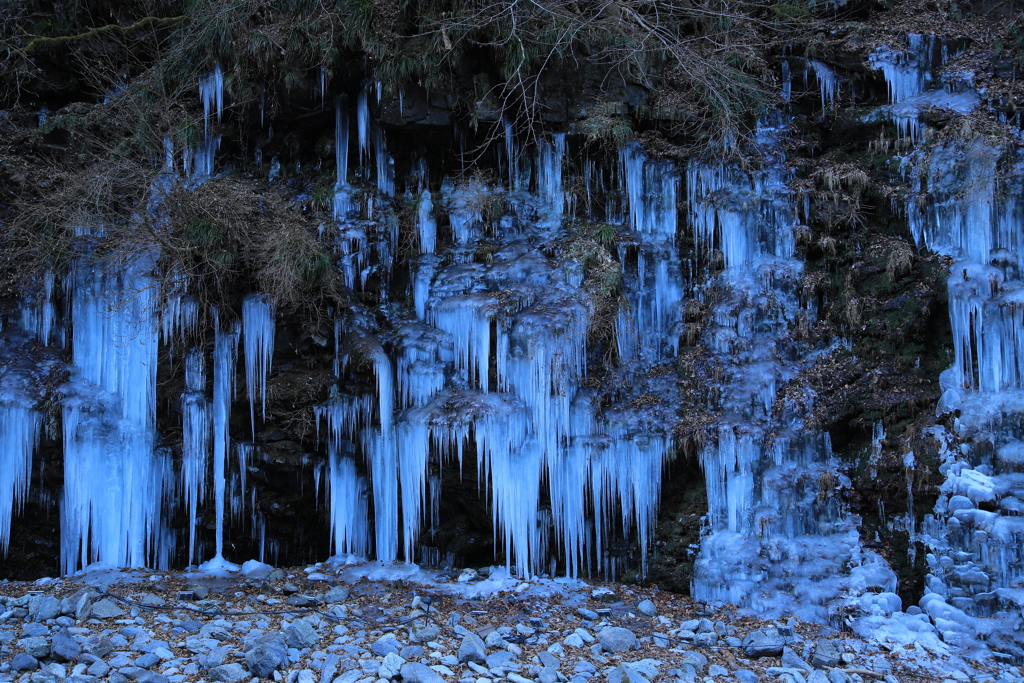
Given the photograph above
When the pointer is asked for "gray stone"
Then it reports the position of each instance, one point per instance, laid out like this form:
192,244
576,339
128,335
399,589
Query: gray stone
717,670
24,662
98,644
661,640
472,649
229,673
37,647
647,607
705,639
200,590
695,659
548,675
336,594
386,645
64,648
494,639
819,676
573,640
83,607
791,660
500,658
43,607
148,660
370,666
301,634
99,668
411,652
301,601
746,676
117,677
423,633
625,674
826,655
548,660
120,659
328,668
764,642
391,666
153,600
267,656
151,677
106,609
215,631
705,626
584,667
587,613
616,639
414,672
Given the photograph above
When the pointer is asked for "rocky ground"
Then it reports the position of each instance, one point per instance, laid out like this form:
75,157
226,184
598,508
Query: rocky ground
363,623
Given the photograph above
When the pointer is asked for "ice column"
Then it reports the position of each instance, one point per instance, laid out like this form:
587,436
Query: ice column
258,328
211,91
225,353
114,478
19,435
195,441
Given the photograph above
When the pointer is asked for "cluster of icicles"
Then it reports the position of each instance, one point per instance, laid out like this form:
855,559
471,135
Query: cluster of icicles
489,362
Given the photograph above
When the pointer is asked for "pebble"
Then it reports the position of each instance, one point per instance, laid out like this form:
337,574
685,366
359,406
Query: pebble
647,608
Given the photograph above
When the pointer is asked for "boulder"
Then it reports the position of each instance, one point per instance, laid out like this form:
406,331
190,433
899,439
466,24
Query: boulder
472,649
765,642
414,672
616,639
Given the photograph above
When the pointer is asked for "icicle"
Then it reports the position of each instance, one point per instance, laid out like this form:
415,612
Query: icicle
225,352
195,441
350,531
549,174
363,125
211,91
38,318
258,327
19,436
827,82
426,224
512,156
385,164
114,478
343,202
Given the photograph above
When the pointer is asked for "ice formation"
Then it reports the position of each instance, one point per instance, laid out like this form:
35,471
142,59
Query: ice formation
493,366
115,478
20,424
910,74
225,352
973,215
780,539
258,327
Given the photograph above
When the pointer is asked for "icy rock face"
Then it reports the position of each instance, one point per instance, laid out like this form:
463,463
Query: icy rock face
493,365
972,213
909,75
780,539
